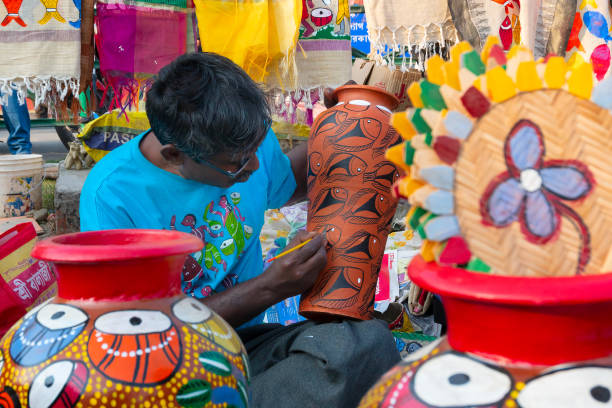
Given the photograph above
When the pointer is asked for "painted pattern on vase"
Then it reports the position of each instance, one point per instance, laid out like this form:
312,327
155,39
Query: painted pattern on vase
164,350
350,200
437,376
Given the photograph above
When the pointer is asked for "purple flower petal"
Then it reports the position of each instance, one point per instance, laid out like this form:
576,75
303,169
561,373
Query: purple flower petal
524,147
541,219
567,182
505,202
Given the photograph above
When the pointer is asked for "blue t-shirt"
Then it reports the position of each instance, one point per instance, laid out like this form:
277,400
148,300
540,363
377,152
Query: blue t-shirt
125,190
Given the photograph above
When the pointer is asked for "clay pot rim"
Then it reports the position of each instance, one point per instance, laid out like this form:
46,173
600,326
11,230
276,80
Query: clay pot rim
115,245
512,290
368,88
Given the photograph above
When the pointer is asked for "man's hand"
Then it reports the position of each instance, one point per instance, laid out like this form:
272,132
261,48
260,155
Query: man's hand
328,95
296,272
288,276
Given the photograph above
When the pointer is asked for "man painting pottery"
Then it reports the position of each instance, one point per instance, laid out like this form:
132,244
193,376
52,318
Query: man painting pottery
211,166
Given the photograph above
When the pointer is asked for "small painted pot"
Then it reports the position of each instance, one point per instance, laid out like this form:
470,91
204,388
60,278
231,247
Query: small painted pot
512,342
350,199
120,332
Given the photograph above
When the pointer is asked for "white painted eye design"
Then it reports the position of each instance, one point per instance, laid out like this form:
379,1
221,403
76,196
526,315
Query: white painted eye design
216,227
191,311
1,362
583,387
130,322
58,317
59,384
455,380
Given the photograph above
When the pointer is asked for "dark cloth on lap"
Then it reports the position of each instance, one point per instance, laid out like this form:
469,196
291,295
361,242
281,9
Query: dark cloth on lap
317,364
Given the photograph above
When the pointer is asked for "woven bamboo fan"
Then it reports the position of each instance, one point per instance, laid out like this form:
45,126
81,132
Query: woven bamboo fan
507,163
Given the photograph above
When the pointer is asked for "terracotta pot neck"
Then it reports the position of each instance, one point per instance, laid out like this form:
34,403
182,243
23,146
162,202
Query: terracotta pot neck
118,265
535,321
371,94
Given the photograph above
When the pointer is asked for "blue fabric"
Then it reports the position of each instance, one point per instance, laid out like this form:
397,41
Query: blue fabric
17,120
125,190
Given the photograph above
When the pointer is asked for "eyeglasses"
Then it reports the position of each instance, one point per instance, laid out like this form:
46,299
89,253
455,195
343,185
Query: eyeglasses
230,174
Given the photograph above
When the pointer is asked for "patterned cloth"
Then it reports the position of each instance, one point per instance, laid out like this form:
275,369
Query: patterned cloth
411,26
591,37
543,25
135,39
40,45
323,59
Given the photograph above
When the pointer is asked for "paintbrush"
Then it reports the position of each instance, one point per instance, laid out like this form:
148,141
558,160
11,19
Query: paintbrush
293,249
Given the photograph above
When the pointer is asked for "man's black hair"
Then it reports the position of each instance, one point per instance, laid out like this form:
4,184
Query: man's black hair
204,104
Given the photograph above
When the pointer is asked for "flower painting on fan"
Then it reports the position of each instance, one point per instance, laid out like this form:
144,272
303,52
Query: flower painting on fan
534,191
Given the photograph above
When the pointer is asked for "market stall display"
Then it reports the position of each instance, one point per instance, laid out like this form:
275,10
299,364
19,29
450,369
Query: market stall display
322,60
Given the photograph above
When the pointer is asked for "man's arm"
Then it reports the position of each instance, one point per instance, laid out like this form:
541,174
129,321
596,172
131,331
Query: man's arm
299,165
288,276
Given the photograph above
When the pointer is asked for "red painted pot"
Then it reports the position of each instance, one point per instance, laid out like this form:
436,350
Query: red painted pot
512,342
120,332
350,200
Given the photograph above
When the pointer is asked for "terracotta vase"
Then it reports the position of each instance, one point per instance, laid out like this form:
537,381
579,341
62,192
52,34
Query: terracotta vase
512,342
350,200
120,333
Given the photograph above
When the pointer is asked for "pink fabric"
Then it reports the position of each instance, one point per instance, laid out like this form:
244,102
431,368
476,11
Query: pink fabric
134,43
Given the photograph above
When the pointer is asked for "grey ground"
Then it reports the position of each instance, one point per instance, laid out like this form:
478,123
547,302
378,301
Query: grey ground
44,141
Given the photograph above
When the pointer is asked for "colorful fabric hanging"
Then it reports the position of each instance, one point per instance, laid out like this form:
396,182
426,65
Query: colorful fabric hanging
323,59
258,35
135,39
591,36
40,48
399,26
541,25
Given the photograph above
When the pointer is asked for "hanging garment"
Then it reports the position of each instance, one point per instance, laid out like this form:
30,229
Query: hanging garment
591,38
421,28
541,25
323,60
258,35
135,39
40,48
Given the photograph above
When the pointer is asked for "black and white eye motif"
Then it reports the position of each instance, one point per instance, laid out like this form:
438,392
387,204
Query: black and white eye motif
584,387
46,332
189,310
59,385
456,380
200,318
